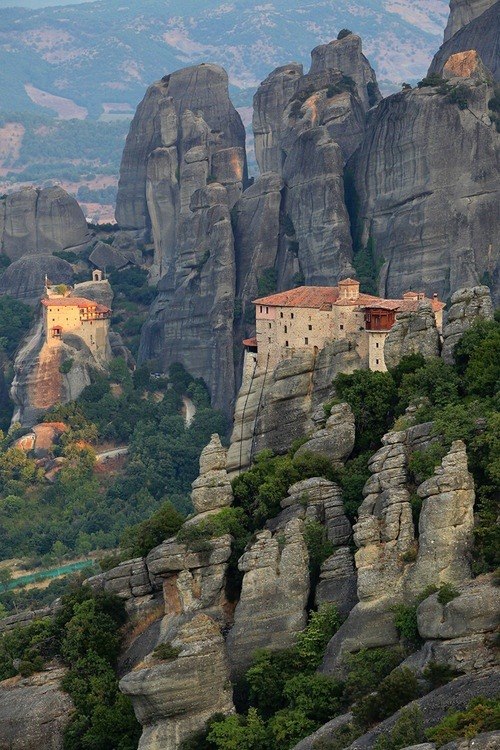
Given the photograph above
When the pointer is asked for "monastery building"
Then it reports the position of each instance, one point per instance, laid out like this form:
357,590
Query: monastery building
310,317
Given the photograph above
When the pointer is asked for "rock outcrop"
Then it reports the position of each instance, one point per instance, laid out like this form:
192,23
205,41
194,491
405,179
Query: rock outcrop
25,278
212,489
182,170
273,597
463,12
175,697
467,305
335,440
391,566
427,163
473,25
37,221
34,712
412,333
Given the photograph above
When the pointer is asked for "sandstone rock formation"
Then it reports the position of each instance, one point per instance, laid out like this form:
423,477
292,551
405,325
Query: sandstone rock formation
34,712
337,583
463,12
473,25
273,597
174,698
25,278
384,534
420,165
335,440
212,489
467,305
412,333
40,221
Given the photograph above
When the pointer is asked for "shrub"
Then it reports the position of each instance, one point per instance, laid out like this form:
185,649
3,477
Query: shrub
408,730
166,652
343,33
66,366
438,674
447,593
395,691
481,715
405,621
312,642
368,667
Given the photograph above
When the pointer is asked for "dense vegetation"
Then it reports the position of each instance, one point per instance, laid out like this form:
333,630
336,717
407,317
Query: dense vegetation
86,636
83,508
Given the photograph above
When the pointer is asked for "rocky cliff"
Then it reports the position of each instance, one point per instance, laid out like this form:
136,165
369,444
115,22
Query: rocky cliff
39,221
472,25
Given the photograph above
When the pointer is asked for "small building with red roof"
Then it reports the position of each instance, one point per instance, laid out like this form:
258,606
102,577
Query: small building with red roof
64,314
309,318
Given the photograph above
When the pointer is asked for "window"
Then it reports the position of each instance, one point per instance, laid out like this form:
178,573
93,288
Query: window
286,343
341,326
261,308
306,340
376,361
281,314
267,310
269,324
269,339
286,329
310,327
377,345
291,315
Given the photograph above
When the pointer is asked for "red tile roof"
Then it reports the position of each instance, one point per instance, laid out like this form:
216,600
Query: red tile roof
73,302
302,296
249,342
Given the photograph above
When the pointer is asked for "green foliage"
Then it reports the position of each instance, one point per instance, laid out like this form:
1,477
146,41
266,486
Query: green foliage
405,621
396,690
459,95
239,733
318,547
367,667
481,715
352,480
438,674
372,397
447,593
15,321
166,652
433,79
316,695
423,462
408,730
140,539
477,357
343,33
66,366
322,626
267,282
367,267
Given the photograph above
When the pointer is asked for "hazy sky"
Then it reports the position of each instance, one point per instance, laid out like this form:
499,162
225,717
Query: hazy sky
39,3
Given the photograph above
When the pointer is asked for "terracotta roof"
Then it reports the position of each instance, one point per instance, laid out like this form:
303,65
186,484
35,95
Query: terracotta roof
348,281
74,302
56,328
361,299
249,342
68,302
302,296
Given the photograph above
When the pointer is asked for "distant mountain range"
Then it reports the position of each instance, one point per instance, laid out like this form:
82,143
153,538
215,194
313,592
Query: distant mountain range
96,58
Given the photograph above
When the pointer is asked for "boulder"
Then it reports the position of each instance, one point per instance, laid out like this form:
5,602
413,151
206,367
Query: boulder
34,712
212,489
174,698
412,333
25,278
336,440
467,305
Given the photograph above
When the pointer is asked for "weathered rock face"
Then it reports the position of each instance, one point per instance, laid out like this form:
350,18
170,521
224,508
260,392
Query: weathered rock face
274,594
384,534
473,25
467,305
426,164
40,221
212,489
175,698
412,333
25,278
337,583
463,12
274,409
34,712
185,136
335,440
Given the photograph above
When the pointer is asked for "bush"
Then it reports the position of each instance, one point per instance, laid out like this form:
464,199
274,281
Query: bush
407,731
368,667
395,691
343,33
166,652
481,715
447,593
405,621
438,674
